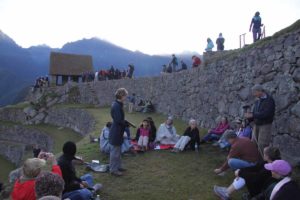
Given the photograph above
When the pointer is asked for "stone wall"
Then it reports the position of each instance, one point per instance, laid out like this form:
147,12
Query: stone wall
78,120
222,86
14,139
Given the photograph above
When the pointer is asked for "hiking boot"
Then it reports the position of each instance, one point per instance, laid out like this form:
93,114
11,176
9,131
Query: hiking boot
117,173
97,187
221,192
122,169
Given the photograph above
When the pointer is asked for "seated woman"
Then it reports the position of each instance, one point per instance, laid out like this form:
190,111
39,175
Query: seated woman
189,139
144,133
24,186
216,133
243,129
166,133
256,178
73,184
105,147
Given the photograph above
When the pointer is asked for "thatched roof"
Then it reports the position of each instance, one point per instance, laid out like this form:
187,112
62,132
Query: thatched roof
69,64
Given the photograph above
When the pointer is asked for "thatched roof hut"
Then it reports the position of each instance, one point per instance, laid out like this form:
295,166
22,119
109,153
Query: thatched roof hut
63,64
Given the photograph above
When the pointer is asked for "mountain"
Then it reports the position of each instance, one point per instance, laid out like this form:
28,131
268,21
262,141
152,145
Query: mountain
19,66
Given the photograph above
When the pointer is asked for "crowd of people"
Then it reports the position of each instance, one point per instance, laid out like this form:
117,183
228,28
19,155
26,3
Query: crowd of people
256,165
173,64
41,82
110,74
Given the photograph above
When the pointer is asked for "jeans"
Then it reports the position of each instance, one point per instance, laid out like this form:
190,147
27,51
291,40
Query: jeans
235,163
78,194
89,179
182,142
256,34
211,136
115,159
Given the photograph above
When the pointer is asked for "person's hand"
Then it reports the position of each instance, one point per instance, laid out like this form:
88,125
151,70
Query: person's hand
217,171
51,158
84,184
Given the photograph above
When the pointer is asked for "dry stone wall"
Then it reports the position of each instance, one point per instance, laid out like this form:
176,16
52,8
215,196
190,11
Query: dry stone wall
223,85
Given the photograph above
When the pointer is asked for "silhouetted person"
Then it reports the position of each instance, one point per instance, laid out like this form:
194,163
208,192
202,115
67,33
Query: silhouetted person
174,62
256,26
220,42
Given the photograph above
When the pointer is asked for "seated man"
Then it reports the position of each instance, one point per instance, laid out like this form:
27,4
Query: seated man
216,133
189,139
243,153
83,185
166,133
105,147
242,129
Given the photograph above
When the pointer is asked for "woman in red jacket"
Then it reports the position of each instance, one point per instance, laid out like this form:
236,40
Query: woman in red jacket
24,187
216,133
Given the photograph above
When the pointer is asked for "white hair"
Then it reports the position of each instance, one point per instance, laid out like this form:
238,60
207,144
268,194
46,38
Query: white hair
192,121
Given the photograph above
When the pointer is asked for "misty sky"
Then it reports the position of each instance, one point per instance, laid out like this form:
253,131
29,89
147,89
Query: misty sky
150,26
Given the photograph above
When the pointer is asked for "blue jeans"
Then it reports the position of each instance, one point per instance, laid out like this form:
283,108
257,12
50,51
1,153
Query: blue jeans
211,136
78,194
89,179
235,163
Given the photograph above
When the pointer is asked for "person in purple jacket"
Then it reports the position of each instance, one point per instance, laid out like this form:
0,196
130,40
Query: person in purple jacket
216,133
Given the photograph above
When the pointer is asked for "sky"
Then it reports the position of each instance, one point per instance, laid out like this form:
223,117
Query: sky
149,26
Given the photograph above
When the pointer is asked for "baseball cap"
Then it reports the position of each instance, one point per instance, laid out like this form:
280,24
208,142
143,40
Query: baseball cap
280,167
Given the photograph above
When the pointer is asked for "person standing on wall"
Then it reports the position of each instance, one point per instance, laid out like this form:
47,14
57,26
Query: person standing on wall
174,62
117,131
262,115
256,27
220,42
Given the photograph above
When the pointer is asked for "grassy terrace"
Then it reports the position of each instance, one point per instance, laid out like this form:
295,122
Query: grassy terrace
157,174
153,175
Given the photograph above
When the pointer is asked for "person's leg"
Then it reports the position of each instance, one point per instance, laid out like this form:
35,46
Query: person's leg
178,144
254,32
115,159
140,142
88,178
185,141
235,163
145,141
215,137
264,137
85,193
207,137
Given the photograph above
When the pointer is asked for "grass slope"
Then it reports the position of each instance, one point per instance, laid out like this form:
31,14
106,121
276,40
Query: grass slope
157,174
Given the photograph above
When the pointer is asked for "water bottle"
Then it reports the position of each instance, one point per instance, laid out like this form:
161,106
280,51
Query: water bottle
98,197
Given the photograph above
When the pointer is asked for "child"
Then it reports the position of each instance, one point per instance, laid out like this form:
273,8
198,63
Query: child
144,132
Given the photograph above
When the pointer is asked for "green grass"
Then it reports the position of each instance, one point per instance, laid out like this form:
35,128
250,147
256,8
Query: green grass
6,167
157,174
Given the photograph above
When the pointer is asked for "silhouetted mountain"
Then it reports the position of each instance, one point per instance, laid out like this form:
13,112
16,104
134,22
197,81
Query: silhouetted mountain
20,66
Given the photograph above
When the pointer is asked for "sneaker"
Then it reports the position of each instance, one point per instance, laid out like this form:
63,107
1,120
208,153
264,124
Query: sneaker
246,196
221,174
215,144
221,192
97,187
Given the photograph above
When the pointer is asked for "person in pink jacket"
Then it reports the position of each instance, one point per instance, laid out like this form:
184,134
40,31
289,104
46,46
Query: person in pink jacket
216,133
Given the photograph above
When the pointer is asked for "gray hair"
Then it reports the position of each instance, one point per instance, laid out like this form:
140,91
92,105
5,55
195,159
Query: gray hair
258,87
192,121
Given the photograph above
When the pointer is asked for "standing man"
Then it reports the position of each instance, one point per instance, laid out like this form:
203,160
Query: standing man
255,26
262,115
174,62
131,100
220,42
117,131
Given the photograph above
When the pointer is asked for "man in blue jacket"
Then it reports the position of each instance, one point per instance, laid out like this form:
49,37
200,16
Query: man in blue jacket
262,115
256,26
117,132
